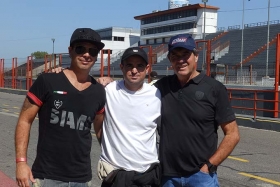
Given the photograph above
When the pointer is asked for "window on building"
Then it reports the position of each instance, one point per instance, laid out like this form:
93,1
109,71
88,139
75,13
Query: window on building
175,27
170,16
117,38
147,42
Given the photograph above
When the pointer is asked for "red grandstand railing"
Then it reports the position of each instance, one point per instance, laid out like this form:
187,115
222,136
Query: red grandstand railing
54,60
158,48
208,54
108,67
14,73
256,99
254,54
219,36
29,72
150,57
60,60
2,72
277,69
220,46
48,62
102,63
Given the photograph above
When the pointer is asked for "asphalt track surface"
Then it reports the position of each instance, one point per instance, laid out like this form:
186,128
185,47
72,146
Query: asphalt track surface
255,162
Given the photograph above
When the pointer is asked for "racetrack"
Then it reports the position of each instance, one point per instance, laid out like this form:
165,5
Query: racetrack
254,162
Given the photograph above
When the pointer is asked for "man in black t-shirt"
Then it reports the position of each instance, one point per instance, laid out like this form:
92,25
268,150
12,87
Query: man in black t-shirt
193,107
67,103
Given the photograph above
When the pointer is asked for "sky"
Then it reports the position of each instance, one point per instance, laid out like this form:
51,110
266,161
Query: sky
28,26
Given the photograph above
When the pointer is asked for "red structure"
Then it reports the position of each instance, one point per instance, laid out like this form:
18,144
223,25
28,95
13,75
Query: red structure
14,73
29,72
2,72
108,62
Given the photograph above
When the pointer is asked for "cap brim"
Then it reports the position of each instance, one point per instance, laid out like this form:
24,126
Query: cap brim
191,48
99,45
135,55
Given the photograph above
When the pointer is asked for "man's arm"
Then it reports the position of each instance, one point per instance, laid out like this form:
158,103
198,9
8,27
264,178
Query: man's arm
98,123
227,145
105,80
26,117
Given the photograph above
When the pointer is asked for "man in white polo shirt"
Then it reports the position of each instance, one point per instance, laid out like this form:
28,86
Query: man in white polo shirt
128,135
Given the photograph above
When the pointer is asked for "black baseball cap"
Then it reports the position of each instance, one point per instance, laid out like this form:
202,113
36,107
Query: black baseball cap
135,51
86,35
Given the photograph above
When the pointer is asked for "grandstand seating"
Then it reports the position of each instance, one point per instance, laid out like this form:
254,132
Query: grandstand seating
253,39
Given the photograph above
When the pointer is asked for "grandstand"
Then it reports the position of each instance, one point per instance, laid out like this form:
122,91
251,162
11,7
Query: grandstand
226,49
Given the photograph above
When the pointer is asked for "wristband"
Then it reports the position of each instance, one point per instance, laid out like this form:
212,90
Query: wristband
22,159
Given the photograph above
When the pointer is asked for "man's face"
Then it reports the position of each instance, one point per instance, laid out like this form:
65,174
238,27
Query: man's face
83,55
134,71
183,61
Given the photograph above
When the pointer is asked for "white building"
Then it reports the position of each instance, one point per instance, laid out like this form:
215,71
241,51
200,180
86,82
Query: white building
157,27
117,39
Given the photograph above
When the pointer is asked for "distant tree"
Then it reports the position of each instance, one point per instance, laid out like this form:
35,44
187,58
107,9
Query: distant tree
39,54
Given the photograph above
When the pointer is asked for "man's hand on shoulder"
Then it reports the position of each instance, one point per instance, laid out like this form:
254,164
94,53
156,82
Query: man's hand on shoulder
56,70
104,80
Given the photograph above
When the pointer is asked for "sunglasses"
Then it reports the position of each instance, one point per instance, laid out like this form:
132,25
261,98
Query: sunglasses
82,50
178,57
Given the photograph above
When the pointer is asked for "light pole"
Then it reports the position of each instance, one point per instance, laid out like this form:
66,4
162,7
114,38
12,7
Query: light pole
267,47
204,25
242,45
53,49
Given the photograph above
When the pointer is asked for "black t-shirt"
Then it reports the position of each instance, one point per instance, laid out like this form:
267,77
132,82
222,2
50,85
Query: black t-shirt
189,121
65,119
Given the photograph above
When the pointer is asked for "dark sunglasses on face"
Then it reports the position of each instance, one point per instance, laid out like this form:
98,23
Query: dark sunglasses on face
82,50
177,57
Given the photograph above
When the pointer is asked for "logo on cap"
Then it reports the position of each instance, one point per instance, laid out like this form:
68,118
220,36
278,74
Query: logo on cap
135,50
178,40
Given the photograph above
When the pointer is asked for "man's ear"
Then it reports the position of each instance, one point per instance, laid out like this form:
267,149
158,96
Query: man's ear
147,68
121,65
196,58
70,49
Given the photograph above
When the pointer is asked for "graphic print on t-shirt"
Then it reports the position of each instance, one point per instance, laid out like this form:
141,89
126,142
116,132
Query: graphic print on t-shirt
57,104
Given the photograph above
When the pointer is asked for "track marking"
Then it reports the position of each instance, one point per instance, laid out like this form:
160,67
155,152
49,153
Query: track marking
260,178
9,114
5,110
5,105
238,159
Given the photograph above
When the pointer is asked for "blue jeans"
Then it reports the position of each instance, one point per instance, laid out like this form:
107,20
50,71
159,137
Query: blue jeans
55,183
199,179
